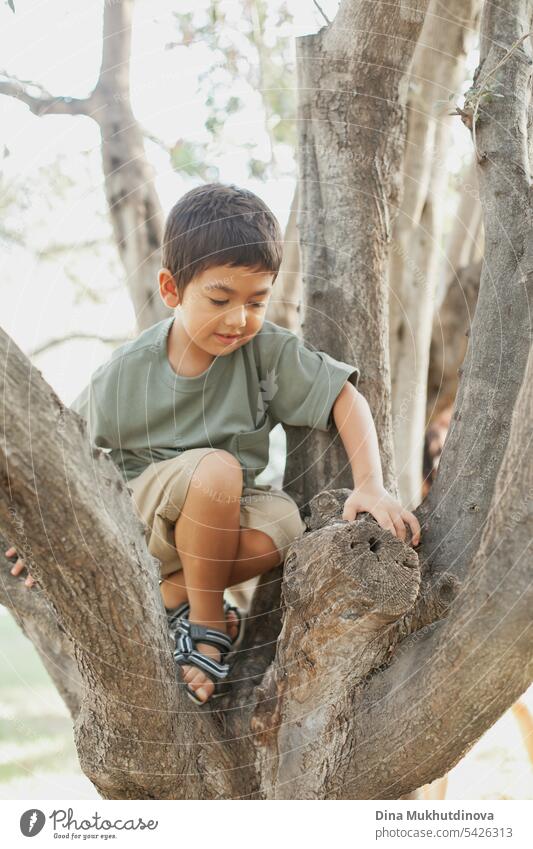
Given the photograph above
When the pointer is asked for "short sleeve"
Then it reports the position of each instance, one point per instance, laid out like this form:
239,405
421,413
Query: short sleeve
305,385
100,429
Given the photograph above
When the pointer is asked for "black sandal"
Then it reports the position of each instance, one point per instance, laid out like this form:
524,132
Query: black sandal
187,635
182,612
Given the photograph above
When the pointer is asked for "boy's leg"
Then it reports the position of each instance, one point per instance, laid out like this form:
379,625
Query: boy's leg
256,554
207,538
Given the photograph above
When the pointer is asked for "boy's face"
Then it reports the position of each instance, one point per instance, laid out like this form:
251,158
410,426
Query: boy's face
222,308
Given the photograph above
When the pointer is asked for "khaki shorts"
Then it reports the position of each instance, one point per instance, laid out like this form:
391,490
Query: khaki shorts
159,493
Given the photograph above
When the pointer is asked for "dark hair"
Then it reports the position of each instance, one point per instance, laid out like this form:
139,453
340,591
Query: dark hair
218,224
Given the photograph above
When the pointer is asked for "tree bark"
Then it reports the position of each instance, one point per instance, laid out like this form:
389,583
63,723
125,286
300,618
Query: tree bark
133,203
362,683
456,298
498,345
65,507
352,134
452,680
284,307
451,328
331,678
439,69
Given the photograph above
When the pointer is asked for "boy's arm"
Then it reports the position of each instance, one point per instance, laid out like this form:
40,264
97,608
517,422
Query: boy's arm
355,424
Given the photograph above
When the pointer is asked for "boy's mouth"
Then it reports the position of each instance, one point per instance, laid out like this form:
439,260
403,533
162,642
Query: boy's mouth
228,339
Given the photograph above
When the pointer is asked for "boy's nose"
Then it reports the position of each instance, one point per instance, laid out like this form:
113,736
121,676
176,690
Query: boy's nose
235,319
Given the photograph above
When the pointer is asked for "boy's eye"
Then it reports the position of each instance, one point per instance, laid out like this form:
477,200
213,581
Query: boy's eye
222,303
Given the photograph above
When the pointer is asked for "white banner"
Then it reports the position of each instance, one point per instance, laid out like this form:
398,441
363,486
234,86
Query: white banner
307,823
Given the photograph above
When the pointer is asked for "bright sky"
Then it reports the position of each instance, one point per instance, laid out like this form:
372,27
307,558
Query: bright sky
58,44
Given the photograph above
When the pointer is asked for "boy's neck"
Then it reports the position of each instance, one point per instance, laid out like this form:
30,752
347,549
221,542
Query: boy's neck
185,357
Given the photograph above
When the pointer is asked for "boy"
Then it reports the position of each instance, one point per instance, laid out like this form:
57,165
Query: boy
185,411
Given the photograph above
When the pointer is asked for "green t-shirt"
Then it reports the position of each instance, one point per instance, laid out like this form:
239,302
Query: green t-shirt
139,408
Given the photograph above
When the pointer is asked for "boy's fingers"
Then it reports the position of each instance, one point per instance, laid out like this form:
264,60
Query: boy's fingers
18,567
414,524
29,582
384,520
349,513
399,526
10,552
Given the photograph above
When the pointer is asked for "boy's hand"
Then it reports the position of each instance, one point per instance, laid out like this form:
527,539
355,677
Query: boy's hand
19,567
374,499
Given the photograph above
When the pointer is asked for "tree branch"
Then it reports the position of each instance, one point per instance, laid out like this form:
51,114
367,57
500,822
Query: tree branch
44,104
465,672
495,362
69,515
71,337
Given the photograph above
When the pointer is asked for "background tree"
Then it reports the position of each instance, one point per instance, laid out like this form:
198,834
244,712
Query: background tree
416,257
236,44
386,674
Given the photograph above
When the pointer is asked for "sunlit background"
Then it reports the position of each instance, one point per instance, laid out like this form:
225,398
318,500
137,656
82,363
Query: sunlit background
216,99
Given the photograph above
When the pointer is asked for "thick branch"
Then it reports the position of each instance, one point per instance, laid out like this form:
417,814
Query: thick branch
494,366
346,587
449,683
352,134
438,71
66,509
451,328
114,73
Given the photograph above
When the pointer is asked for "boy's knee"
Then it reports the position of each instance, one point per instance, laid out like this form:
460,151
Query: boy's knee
219,475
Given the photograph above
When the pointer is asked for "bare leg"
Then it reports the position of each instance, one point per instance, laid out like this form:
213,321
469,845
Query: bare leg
256,554
207,538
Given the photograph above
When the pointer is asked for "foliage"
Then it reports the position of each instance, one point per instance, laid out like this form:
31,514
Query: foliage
250,63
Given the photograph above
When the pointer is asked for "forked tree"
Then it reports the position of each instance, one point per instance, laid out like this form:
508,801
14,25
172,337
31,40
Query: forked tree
369,669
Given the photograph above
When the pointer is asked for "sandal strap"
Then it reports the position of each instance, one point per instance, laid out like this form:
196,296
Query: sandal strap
191,633
187,635
212,668
182,611
176,613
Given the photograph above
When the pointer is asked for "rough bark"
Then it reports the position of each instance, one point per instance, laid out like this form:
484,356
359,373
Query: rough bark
66,509
352,134
284,305
329,678
453,679
498,345
133,203
437,73
451,328
367,691
465,243
456,297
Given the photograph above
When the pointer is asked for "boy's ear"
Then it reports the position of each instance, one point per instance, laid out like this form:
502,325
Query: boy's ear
168,289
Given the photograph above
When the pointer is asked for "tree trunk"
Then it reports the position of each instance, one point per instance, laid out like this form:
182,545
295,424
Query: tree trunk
330,679
352,126
284,307
133,203
438,71
456,299
498,345
451,328
370,689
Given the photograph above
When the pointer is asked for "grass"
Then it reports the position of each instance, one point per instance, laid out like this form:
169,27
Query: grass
36,741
